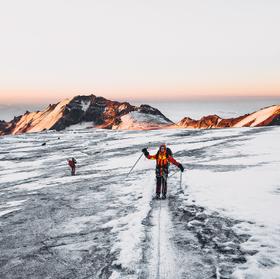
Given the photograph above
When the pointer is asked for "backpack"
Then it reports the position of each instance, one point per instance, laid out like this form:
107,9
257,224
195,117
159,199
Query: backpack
169,152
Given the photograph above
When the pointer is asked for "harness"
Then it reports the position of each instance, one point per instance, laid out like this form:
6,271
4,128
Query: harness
162,164
162,159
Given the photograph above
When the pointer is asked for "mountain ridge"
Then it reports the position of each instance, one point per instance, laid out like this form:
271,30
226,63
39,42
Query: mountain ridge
106,114
103,113
268,116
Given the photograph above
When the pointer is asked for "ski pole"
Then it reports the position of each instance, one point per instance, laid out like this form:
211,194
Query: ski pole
181,180
134,165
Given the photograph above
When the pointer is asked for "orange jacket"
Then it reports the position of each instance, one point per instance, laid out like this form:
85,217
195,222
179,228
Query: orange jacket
163,159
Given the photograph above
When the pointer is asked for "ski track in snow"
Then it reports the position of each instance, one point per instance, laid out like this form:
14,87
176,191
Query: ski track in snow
220,224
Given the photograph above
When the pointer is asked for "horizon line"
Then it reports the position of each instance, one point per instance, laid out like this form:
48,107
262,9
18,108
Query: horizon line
202,98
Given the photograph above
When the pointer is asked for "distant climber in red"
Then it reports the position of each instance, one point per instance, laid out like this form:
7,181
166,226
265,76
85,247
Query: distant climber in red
72,164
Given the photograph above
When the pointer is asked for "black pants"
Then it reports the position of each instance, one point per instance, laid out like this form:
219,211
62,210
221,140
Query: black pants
73,170
161,185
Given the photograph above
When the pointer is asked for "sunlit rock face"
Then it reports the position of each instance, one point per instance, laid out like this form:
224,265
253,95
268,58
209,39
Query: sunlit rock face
102,113
265,117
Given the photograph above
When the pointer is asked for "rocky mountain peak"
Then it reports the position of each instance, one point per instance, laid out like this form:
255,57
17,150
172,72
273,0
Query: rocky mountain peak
101,112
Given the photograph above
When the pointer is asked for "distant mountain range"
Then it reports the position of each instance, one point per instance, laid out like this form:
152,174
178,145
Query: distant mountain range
264,117
102,113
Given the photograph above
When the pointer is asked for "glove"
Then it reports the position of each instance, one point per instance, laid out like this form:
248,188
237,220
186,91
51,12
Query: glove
181,167
145,151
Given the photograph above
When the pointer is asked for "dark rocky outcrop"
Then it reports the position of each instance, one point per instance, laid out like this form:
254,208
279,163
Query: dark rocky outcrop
102,112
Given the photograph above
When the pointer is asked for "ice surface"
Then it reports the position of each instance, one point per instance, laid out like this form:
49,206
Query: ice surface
80,126
10,207
222,223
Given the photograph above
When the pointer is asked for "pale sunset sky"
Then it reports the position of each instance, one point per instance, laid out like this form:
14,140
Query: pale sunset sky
144,49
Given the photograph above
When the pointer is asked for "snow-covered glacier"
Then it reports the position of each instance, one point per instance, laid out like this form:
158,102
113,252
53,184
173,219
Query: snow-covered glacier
221,222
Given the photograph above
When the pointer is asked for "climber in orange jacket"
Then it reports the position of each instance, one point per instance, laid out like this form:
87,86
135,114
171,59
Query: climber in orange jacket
163,158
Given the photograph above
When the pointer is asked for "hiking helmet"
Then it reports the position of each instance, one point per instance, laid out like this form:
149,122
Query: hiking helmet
162,148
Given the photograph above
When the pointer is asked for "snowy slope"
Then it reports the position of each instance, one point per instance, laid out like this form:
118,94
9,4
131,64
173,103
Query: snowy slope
222,222
38,121
140,121
259,118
